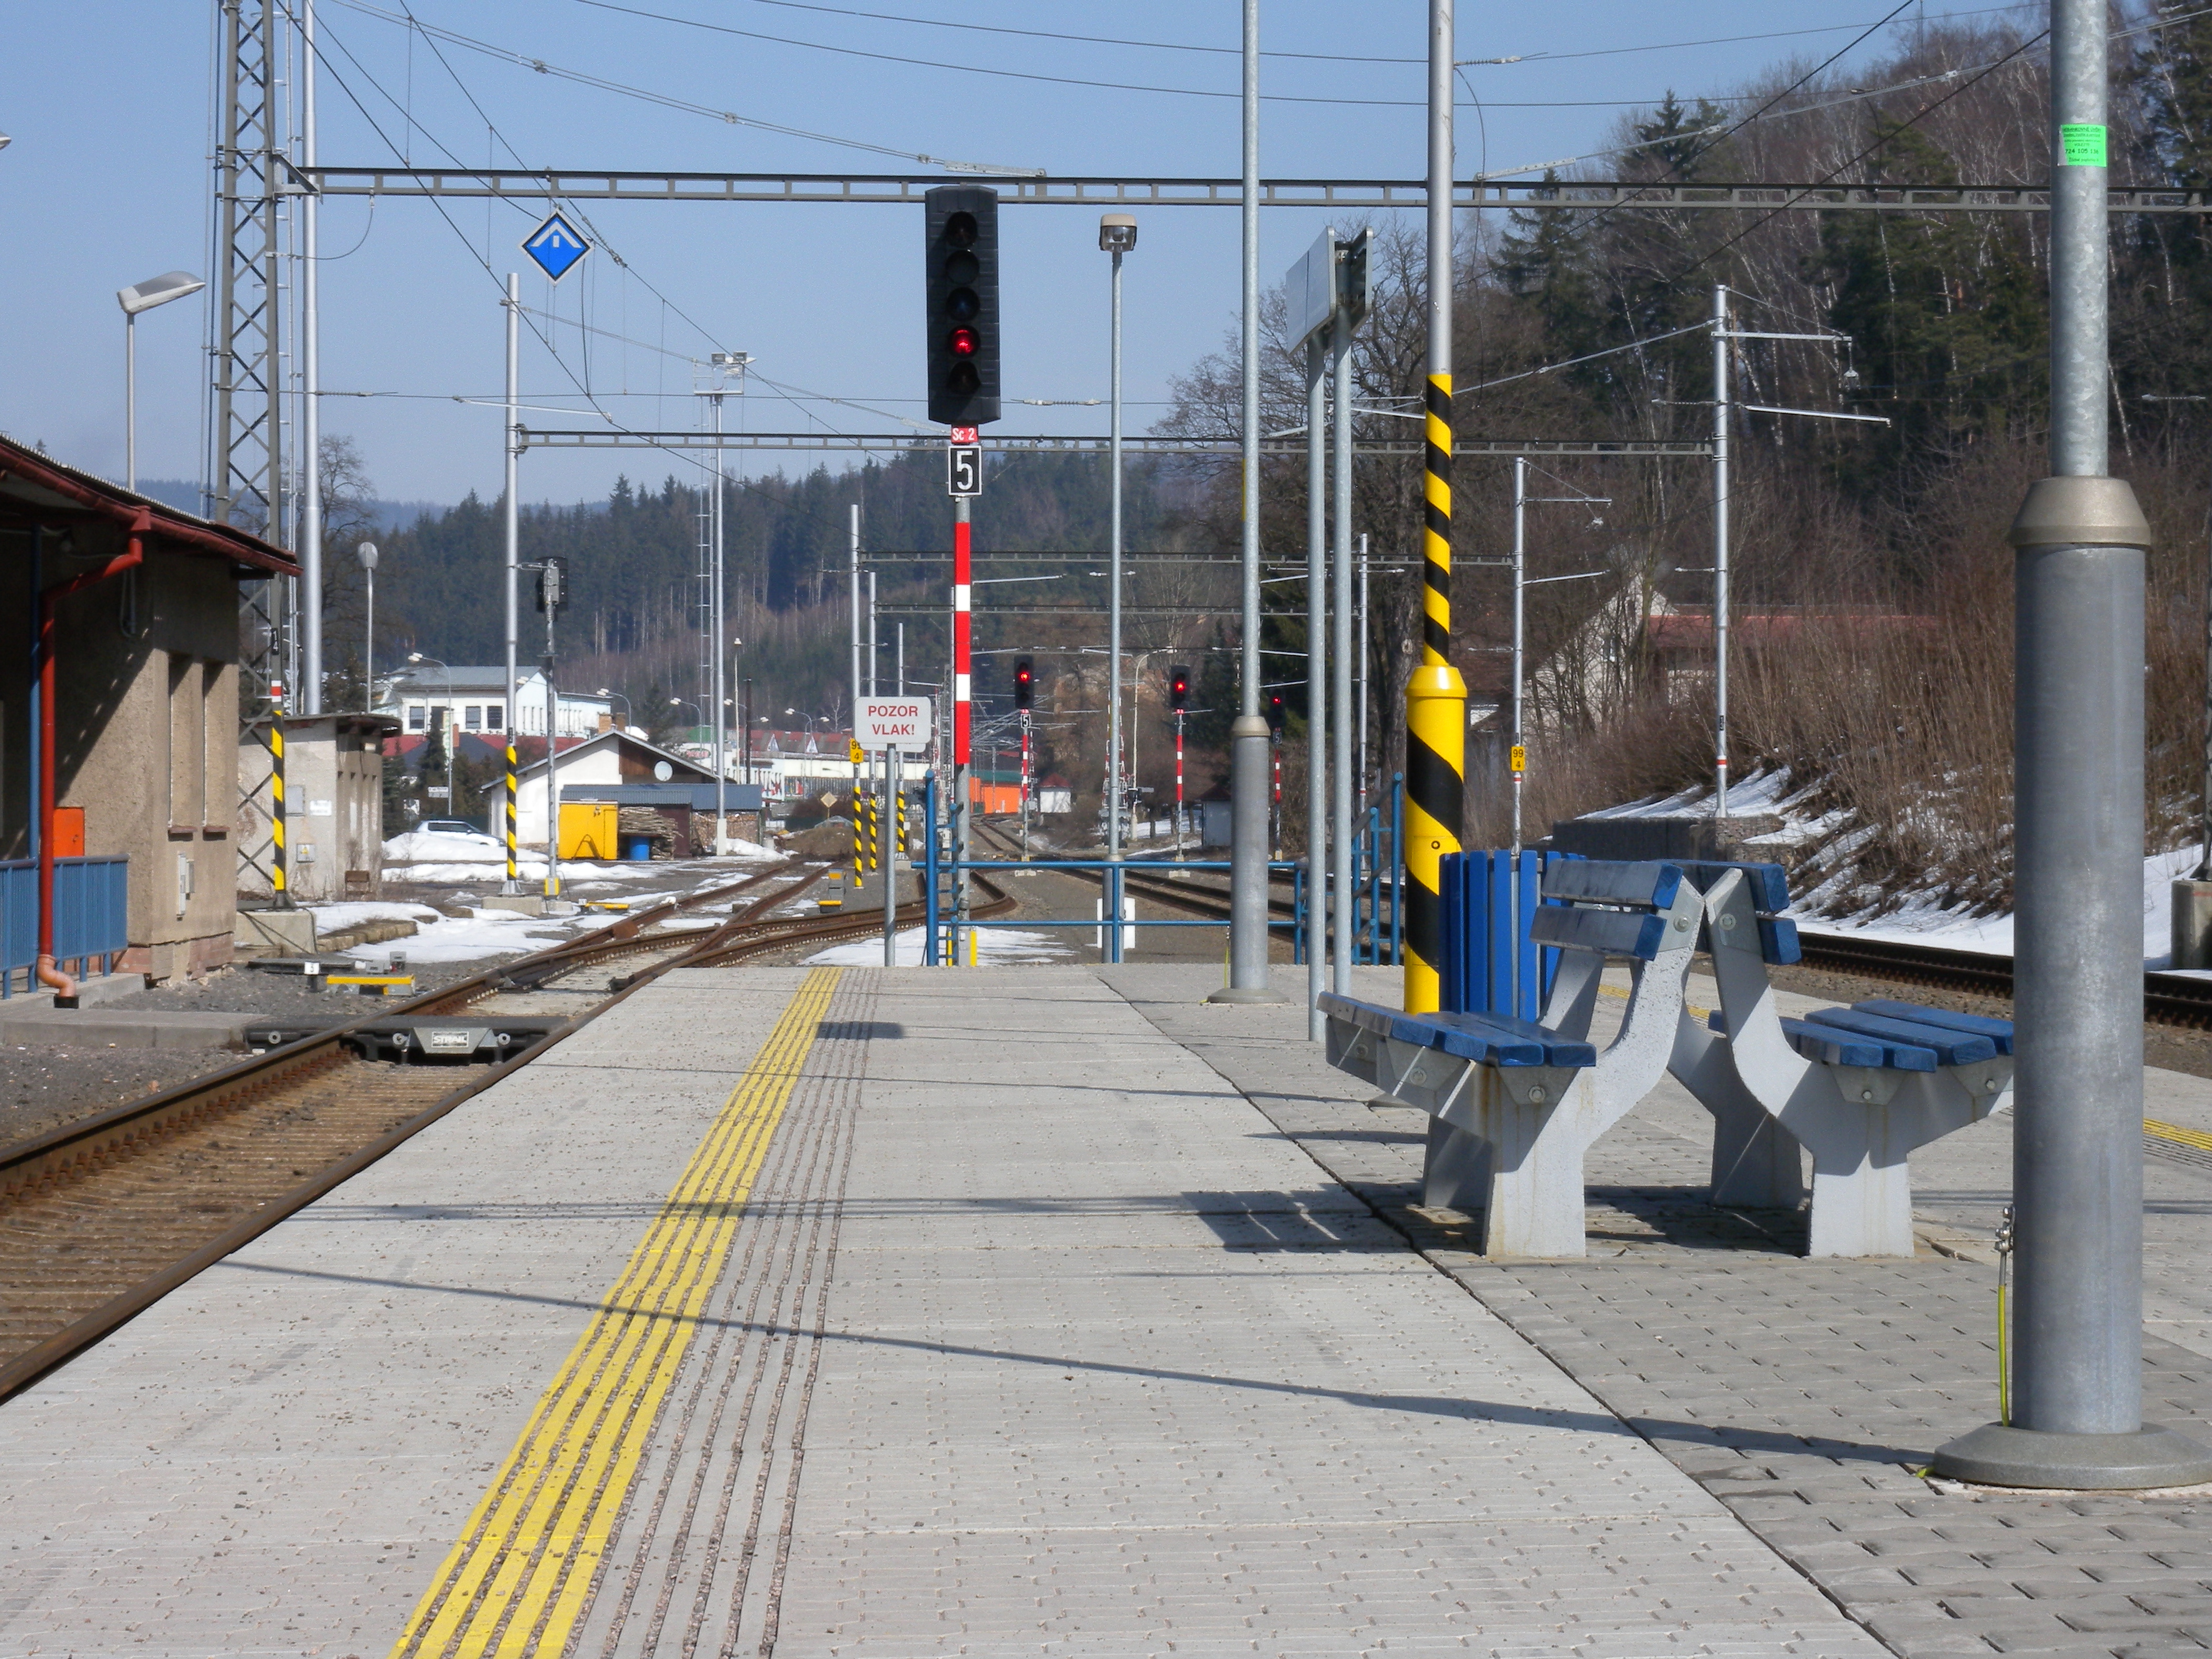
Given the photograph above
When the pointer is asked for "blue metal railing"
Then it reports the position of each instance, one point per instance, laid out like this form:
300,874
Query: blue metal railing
1378,883
91,913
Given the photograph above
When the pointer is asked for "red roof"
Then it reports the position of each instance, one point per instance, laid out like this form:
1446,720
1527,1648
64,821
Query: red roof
38,488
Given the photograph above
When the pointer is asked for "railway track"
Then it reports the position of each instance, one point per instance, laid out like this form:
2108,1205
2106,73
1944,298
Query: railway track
2168,998
1194,894
102,1217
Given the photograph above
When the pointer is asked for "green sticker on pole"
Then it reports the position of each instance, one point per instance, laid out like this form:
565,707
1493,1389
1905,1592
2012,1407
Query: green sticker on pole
2080,144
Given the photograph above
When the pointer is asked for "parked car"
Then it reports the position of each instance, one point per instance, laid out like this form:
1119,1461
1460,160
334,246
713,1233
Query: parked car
450,827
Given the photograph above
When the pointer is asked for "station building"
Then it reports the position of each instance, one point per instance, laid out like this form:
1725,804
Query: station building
138,603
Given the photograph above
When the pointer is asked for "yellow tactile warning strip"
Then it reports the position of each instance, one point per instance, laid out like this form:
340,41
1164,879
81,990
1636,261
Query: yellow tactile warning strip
2152,1127
518,1579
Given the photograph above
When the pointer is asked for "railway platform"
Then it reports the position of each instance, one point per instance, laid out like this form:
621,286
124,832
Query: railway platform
812,1310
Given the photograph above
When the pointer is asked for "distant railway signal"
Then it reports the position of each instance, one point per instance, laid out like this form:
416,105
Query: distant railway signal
1178,688
961,225
1277,712
1024,684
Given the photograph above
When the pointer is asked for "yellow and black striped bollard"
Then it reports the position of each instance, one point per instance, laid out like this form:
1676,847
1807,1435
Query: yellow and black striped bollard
1436,725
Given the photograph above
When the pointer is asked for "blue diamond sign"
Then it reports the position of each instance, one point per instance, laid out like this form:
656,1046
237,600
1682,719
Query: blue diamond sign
555,246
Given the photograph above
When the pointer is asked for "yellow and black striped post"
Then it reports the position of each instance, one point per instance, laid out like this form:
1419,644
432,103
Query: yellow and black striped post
279,871
898,823
1436,725
873,861
512,875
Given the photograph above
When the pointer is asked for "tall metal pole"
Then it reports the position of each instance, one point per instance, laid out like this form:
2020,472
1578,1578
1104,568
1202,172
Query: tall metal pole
1113,789
888,838
873,648
2078,744
1248,743
512,528
1435,695
552,764
130,400
716,611
311,384
1316,916
900,637
1721,346
1366,644
962,723
1339,754
1514,728
854,548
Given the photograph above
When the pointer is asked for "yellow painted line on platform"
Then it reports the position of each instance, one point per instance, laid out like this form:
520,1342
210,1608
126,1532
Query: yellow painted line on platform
515,1583
2197,1139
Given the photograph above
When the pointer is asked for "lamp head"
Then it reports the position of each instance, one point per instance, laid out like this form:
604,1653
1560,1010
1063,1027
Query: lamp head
366,551
1117,232
157,291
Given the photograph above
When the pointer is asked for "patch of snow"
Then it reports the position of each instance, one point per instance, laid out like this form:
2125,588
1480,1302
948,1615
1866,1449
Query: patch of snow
443,846
996,947
1923,922
333,918
466,939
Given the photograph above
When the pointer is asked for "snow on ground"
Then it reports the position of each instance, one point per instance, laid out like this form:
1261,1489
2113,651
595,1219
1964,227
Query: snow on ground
1924,924
466,939
442,846
996,947
335,918
1917,920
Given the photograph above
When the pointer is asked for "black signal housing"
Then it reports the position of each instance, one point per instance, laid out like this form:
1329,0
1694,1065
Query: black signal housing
962,296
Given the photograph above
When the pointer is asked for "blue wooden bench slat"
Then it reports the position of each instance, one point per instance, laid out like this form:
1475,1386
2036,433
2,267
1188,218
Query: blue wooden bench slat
1605,881
1616,933
1834,1045
1998,1031
1769,887
1839,1047
1484,1039
1777,940
1952,1048
1553,1049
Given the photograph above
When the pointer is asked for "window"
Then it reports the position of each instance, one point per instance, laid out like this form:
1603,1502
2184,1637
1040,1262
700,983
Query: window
414,717
494,717
472,717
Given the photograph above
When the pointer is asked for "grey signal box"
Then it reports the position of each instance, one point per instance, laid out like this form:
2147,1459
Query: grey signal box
961,224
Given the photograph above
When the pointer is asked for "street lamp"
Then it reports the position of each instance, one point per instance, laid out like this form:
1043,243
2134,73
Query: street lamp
1117,235
142,296
366,551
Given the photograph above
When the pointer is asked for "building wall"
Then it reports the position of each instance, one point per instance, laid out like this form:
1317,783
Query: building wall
146,720
334,810
602,765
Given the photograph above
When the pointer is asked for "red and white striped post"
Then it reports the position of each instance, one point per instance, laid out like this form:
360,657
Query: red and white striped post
1179,826
963,806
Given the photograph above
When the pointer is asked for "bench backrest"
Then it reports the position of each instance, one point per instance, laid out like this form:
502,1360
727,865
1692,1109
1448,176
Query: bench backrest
1769,887
1607,907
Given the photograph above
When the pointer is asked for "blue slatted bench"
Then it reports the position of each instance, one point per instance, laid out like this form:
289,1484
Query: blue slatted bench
1516,1104
1858,1087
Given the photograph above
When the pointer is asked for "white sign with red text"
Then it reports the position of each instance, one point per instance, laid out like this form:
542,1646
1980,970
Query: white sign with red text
901,723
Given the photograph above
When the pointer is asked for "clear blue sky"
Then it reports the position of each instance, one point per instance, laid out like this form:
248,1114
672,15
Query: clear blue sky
107,182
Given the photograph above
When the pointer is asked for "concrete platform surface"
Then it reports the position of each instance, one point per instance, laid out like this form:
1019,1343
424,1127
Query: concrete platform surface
42,1025
860,1312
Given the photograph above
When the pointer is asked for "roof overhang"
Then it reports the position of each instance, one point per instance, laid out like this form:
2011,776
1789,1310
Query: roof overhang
37,490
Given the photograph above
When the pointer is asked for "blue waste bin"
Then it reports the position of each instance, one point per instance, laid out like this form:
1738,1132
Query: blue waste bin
637,850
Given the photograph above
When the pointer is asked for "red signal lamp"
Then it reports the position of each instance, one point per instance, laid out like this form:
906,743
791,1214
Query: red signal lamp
965,343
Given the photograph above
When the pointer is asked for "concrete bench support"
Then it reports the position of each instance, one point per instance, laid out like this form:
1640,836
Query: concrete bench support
1859,1092
1517,1103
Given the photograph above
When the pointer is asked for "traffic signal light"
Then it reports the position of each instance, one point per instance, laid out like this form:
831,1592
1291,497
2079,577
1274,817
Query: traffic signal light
1178,688
553,585
962,222
1024,683
1277,714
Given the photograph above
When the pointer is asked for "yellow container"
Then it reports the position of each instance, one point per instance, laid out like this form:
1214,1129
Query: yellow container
588,830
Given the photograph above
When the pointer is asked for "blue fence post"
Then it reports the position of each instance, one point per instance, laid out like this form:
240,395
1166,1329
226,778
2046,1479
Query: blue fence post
1397,868
929,869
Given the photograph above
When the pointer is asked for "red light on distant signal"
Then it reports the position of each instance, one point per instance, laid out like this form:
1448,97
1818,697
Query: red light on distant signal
965,343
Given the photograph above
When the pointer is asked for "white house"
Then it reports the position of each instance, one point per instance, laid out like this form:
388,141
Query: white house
607,761
475,700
